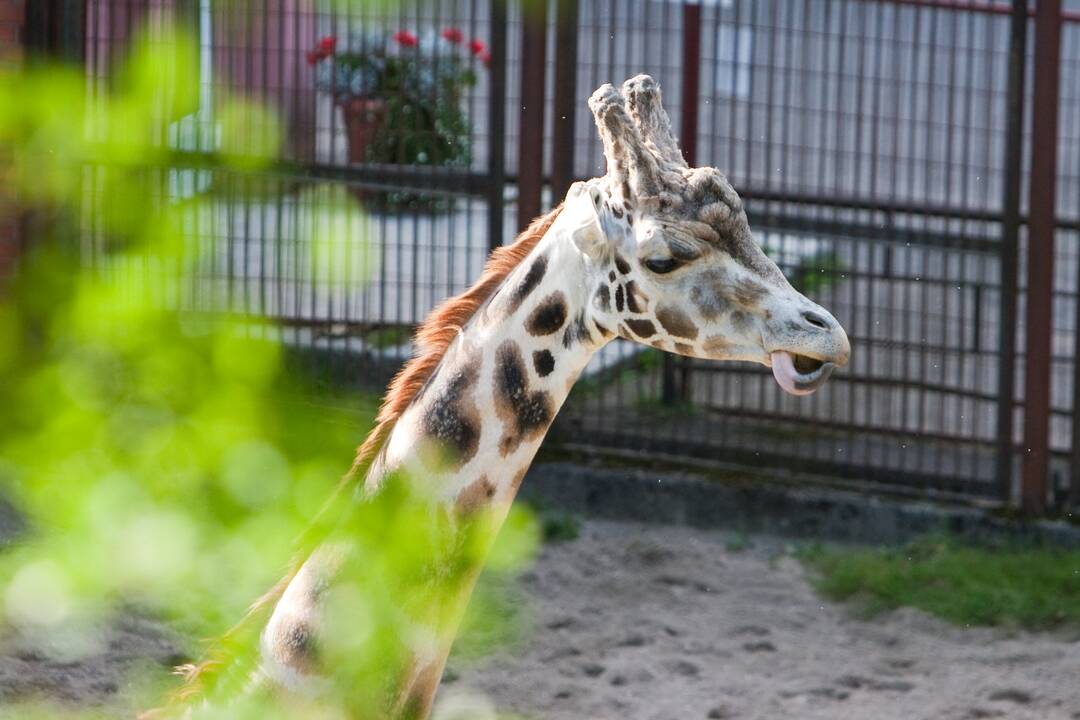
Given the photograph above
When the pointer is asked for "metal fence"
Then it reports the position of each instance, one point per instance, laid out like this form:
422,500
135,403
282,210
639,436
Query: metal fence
868,140
881,147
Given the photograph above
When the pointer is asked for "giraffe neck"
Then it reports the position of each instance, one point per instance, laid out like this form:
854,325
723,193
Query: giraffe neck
469,435
477,424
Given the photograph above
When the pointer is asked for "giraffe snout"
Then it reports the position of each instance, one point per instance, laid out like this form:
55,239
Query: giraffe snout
822,336
805,344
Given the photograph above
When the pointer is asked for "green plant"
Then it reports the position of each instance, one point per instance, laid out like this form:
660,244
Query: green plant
557,526
740,542
813,273
388,337
422,88
966,584
168,460
818,272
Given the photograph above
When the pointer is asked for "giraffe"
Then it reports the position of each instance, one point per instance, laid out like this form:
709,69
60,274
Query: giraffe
655,252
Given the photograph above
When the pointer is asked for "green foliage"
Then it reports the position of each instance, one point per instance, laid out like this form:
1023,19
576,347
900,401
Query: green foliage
813,273
1024,586
422,131
422,91
560,526
739,542
169,460
818,272
388,337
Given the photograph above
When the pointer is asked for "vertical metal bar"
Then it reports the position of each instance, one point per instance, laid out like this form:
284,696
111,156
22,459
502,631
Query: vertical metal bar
566,54
497,123
1073,498
691,79
688,126
533,82
1010,228
1040,264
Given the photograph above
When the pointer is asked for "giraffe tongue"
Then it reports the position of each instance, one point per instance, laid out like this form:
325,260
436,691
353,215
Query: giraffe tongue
795,382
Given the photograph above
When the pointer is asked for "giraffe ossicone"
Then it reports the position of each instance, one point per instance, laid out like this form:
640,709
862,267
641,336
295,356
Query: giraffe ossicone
655,252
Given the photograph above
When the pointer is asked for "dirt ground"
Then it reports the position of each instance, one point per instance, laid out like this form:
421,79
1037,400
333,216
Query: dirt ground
665,623
661,623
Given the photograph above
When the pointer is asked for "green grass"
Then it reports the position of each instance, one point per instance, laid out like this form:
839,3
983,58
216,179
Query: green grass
557,526
740,542
1033,588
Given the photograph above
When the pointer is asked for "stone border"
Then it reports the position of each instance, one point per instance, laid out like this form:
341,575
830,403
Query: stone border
810,512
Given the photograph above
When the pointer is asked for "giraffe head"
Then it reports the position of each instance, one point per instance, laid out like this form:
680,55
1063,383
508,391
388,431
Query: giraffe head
670,258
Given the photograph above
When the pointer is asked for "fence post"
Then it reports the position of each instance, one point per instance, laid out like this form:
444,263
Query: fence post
688,125
54,29
566,54
497,124
531,140
1010,230
1040,280
691,79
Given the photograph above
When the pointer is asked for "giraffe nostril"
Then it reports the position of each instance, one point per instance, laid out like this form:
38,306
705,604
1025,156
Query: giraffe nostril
816,320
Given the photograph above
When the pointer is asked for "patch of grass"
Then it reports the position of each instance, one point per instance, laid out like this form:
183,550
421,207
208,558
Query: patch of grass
559,526
741,541
1029,587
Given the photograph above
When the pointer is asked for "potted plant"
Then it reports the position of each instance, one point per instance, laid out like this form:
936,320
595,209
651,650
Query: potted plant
401,97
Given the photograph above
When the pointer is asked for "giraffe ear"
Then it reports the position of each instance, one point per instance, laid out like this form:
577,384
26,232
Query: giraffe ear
583,202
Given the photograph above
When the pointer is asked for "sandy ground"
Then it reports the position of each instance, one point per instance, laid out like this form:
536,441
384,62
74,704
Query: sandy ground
661,623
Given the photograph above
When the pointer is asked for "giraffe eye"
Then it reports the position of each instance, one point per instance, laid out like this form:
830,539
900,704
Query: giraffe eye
661,266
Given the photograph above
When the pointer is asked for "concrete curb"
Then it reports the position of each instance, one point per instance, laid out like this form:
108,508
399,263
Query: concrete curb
807,513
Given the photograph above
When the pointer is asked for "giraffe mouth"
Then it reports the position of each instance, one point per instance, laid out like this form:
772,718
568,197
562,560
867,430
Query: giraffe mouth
800,374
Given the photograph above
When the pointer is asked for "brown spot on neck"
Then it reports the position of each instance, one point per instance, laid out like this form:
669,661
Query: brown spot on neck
474,496
547,317
543,362
449,415
525,414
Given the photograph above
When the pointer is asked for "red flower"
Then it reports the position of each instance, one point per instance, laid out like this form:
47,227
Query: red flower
453,35
328,44
406,38
313,57
477,47
486,59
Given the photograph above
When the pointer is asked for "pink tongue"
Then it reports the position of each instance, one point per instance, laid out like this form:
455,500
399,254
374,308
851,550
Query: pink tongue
783,369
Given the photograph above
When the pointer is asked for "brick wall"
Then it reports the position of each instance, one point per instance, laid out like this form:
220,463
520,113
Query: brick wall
12,17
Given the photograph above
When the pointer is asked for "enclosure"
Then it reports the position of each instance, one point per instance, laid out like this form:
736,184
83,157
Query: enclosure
221,222
886,152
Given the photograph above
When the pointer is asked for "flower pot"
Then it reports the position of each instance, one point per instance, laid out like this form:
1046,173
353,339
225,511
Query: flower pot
364,117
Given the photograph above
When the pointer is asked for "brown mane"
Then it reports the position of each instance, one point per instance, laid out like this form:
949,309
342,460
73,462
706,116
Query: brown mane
432,339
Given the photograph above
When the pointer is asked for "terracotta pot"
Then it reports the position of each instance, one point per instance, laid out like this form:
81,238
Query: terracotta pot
364,117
